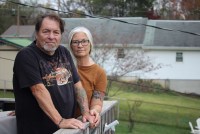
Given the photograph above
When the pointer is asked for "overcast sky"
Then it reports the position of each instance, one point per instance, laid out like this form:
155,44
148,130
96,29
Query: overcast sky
40,1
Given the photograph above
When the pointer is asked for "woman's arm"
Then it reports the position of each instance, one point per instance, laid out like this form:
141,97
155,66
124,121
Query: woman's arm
97,100
96,105
83,102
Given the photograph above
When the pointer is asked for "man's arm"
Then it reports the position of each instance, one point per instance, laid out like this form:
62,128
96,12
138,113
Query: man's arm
83,102
45,102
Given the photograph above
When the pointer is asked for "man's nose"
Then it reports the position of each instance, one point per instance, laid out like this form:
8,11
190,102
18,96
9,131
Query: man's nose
51,35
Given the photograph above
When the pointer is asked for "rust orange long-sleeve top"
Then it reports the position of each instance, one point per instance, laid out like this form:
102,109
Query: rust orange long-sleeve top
92,78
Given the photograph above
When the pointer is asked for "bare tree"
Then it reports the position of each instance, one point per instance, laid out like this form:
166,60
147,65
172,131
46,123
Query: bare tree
191,9
178,9
72,8
132,112
134,60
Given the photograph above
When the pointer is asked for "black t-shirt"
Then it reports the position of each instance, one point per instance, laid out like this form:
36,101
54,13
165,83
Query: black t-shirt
57,73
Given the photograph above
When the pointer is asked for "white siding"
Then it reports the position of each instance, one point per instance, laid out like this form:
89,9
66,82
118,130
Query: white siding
6,67
188,69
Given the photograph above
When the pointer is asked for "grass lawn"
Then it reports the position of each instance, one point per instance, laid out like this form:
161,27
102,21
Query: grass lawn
155,112
7,94
145,128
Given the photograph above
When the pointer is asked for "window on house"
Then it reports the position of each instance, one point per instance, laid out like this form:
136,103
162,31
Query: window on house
120,53
179,57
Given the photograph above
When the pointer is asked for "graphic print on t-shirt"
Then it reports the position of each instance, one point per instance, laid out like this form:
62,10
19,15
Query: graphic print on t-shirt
61,75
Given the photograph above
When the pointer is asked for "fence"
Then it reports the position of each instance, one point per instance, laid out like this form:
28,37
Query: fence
108,115
187,86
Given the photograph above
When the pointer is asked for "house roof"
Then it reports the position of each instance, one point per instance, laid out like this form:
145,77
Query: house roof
22,31
107,31
159,38
17,42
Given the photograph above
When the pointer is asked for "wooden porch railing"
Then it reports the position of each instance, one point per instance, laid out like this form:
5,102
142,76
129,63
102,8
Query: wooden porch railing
7,104
108,115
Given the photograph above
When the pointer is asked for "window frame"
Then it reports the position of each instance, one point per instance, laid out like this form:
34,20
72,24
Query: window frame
120,53
179,56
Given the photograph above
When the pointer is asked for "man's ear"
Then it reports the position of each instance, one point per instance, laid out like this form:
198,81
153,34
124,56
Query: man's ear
36,35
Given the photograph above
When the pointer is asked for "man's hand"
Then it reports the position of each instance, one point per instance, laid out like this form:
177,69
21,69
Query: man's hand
71,123
12,113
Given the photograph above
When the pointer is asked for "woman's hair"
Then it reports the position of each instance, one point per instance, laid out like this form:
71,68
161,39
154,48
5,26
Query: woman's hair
84,30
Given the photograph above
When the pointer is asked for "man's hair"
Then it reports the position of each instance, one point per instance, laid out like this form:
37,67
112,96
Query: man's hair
51,16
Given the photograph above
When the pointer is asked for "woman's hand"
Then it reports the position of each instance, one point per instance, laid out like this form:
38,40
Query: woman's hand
88,117
97,118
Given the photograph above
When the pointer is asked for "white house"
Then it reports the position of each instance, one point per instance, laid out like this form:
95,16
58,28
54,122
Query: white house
11,41
178,52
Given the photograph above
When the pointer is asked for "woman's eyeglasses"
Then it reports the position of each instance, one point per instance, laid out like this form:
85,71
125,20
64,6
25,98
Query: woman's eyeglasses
77,42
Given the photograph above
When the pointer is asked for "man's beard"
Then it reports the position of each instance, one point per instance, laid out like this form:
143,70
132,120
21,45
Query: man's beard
49,48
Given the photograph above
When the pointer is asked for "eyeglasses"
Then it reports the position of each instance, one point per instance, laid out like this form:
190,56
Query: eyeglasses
83,42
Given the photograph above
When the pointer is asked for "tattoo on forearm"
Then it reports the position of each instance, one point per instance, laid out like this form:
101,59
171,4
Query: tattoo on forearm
98,95
82,100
